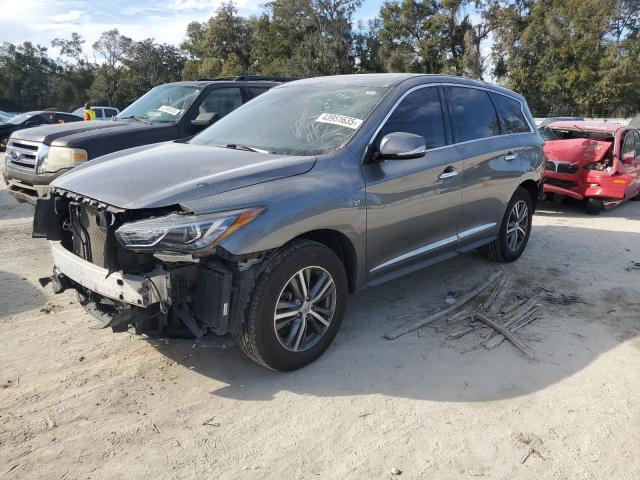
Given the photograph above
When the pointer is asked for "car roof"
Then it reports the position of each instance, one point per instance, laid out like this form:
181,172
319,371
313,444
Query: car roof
590,126
230,81
389,80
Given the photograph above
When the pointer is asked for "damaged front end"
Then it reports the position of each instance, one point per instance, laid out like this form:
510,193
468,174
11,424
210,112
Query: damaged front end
160,271
577,167
583,168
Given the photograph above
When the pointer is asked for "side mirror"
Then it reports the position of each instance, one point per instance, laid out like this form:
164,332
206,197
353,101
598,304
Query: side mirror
401,146
205,119
29,123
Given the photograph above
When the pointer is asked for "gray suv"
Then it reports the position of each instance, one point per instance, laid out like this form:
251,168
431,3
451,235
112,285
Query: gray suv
339,183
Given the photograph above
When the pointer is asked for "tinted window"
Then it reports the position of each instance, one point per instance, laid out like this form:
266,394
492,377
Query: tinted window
221,100
472,113
65,117
420,113
110,112
99,112
510,113
255,91
47,117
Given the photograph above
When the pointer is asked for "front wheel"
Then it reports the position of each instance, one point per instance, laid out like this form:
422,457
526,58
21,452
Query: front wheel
594,206
296,307
514,231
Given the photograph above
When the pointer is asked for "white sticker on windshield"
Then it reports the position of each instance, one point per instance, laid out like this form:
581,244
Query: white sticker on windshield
341,120
170,110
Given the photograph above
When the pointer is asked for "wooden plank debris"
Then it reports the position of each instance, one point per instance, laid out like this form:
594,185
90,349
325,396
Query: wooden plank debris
447,311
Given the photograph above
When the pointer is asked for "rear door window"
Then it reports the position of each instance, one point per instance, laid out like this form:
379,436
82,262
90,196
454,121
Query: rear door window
472,113
110,112
255,91
419,113
222,101
510,113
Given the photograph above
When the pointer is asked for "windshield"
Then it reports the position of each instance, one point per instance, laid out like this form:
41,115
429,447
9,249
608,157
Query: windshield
166,103
296,120
18,119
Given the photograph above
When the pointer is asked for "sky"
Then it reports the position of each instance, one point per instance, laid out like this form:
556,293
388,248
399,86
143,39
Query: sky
40,21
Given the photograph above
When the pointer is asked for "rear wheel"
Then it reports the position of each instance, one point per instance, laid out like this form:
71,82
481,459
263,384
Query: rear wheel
594,206
514,231
296,307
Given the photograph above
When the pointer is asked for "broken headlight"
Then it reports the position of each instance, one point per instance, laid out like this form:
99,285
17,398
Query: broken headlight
184,233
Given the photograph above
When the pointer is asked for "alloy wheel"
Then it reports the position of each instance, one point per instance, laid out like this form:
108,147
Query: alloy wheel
305,308
518,225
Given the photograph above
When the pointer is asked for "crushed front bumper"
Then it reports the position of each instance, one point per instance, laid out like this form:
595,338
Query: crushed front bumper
141,291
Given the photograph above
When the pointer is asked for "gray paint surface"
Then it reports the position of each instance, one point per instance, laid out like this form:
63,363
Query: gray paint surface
385,209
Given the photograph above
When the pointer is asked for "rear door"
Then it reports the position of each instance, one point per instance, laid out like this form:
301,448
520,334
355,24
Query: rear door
492,158
412,205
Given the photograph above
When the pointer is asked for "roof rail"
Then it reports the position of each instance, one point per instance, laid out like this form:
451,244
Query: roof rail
239,78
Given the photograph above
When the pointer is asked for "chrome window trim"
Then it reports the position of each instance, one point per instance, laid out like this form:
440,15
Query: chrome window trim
448,84
432,246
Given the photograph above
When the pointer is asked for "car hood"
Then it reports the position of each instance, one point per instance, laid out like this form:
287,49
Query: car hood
63,133
5,126
171,173
576,150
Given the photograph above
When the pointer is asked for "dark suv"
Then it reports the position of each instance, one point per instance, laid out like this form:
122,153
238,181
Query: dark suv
340,183
172,111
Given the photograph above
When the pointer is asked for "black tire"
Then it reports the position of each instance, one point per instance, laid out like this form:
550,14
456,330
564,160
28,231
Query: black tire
500,250
258,339
3,144
594,206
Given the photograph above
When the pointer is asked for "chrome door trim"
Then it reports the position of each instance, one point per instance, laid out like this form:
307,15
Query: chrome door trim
472,231
418,251
432,246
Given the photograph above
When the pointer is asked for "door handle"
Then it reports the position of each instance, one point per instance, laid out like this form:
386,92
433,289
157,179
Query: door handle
510,156
448,173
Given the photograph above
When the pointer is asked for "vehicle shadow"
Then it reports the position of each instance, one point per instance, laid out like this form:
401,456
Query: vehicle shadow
582,319
9,206
574,207
18,295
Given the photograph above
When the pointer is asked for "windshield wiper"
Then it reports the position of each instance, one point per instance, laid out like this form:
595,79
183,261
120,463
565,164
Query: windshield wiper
142,119
238,146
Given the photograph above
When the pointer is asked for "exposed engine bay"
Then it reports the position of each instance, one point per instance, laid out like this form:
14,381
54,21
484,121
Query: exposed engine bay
173,294
591,150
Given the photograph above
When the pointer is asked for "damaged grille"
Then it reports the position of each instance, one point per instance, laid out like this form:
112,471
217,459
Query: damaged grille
90,232
560,183
561,167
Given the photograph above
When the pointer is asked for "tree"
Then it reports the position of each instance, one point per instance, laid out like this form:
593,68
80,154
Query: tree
27,77
112,49
221,46
148,64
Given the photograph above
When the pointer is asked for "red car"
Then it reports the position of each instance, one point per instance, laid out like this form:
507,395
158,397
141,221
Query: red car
598,162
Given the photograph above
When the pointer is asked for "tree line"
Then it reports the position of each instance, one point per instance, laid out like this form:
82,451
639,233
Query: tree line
565,56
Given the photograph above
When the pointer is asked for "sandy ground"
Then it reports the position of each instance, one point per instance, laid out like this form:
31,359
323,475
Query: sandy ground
77,402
